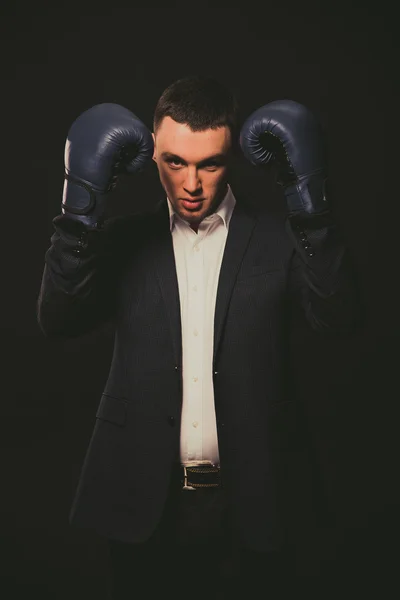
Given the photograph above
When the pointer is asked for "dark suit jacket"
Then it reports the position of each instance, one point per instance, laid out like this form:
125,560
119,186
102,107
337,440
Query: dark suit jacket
126,272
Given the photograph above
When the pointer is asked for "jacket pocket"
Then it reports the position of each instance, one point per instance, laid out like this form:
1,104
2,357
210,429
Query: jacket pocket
112,409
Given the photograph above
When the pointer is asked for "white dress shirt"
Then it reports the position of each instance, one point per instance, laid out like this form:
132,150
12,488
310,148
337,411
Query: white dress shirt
198,258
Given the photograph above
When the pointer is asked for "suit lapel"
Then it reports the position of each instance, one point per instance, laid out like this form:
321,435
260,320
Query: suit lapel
165,267
240,229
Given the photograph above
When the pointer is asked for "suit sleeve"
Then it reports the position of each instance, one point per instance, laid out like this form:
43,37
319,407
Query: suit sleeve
322,275
77,291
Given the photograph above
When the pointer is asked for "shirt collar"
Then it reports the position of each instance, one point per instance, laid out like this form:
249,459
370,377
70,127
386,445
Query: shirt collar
224,210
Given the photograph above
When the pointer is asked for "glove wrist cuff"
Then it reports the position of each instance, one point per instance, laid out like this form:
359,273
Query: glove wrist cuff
307,195
83,203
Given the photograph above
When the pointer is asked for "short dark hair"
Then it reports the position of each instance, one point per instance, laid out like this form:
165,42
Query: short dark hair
199,102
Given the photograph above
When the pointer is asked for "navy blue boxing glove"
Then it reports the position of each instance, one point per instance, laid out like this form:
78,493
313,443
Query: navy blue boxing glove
287,133
103,142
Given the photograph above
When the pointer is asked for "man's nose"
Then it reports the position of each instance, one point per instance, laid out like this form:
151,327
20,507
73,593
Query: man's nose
192,184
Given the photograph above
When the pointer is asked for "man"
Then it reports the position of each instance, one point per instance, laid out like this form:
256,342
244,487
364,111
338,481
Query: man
182,474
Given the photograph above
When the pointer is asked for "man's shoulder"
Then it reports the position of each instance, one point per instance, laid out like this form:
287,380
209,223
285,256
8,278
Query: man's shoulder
267,216
138,222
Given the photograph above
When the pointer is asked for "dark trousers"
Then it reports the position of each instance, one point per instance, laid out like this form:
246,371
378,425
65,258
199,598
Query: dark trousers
195,554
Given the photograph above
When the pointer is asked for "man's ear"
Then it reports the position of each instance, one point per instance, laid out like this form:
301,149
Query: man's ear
154,151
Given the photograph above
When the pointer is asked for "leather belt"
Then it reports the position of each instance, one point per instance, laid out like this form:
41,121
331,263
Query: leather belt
202,476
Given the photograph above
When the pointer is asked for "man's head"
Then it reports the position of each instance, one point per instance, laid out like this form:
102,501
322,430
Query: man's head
195,130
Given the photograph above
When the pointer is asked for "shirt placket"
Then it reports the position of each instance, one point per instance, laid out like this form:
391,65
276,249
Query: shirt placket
195,350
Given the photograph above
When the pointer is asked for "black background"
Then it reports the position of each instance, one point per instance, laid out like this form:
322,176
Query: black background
57,60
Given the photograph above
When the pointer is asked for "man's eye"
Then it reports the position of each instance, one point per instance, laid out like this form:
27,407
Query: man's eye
211,166
174,162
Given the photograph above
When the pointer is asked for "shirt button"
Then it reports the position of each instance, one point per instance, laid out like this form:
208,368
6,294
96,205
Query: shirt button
195,424
194,288
195,332
197,248
195,379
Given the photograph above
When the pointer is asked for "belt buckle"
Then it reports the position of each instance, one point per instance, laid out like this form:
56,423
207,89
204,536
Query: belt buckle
185,479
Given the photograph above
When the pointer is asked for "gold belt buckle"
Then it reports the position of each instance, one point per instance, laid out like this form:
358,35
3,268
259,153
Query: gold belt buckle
185,479
199,463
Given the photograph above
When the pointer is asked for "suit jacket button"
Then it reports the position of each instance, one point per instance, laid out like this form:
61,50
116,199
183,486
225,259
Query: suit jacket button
171,420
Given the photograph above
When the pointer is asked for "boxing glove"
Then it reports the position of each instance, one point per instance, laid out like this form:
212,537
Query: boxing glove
287,133
103,142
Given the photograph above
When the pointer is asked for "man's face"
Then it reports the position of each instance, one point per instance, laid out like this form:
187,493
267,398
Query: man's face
193,167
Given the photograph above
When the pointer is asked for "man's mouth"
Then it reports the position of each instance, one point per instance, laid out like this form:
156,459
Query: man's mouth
192,204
